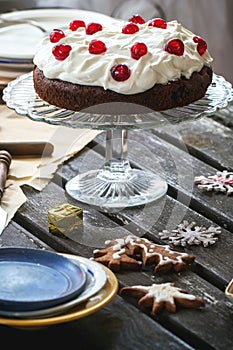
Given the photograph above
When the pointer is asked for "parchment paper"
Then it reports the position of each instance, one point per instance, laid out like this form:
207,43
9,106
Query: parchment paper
36,172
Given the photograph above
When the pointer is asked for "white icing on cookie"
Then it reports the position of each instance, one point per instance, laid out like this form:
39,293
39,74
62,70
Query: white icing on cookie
164,292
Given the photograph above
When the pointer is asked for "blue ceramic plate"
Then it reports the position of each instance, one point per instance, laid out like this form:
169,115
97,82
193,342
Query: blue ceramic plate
32,279
96,280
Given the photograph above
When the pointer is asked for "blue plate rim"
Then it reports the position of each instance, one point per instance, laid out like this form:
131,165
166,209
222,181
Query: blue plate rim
45,259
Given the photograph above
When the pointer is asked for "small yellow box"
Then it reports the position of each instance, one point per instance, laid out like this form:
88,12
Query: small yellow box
65,219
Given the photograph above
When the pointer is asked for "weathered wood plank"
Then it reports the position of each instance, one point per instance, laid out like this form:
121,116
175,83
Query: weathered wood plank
179,169
113,314
218,309
119,325
33,215
167,213
153,218
15,235
214,262
204,138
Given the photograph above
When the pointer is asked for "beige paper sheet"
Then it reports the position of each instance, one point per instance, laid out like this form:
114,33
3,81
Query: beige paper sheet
36,172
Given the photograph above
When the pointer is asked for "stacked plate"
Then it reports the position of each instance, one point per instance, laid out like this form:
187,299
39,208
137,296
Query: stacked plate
19,41
39,288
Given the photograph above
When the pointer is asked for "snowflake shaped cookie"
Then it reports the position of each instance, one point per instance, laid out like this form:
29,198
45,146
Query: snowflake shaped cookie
221,182
189,234
164,295
132,252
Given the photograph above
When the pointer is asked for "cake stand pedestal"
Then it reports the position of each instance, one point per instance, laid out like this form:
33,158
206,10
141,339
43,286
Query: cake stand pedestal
116,184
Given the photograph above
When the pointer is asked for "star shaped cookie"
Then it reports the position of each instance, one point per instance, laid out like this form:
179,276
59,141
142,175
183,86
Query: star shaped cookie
164,295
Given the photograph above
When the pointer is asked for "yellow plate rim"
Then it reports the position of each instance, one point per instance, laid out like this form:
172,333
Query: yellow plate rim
228,288
110,290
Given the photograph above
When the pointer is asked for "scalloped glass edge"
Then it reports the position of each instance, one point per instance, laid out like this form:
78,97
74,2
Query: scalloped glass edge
21,96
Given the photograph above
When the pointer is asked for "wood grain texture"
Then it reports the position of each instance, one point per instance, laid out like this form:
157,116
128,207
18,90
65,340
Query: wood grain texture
122,324
218,309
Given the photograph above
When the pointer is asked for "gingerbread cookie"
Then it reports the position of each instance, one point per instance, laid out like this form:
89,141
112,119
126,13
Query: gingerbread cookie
132,252
164,295
115,256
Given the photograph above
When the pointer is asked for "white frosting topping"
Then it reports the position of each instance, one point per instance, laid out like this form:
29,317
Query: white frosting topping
157,66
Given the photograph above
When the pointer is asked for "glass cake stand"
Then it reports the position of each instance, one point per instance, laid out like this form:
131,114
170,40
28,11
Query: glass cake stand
116,184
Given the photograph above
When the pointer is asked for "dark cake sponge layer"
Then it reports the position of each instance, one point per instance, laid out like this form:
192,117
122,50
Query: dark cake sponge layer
160,97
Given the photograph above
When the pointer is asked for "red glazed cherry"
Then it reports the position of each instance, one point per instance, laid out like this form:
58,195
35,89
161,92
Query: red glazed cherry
120,72
130,28
56,35
74,25
201,45
158,22
96,47
196,39
93,28
136,19
175,47
138,50
61,52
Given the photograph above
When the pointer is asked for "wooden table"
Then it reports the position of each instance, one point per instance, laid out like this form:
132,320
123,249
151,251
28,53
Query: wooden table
187,150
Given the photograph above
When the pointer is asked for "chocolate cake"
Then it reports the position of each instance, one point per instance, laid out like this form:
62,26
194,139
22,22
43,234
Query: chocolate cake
156,64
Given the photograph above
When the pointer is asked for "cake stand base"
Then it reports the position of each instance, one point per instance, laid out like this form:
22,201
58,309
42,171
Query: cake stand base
116,184
104,189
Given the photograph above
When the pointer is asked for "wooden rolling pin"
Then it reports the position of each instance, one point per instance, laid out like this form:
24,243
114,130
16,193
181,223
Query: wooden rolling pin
5,160
30,148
